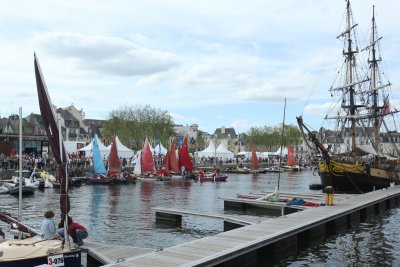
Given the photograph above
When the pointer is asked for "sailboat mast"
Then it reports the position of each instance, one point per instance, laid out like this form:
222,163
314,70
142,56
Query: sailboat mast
280,155
350,64
20,172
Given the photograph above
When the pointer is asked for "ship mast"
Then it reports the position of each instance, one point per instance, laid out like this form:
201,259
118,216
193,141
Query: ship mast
349,54
374,66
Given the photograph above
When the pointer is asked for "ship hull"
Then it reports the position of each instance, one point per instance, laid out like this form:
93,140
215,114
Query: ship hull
357,180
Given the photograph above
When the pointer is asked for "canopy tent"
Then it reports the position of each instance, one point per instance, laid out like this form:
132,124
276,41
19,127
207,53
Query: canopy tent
123,151
278,152
244,154
73,146
104,151
223,152
159,149
248,154
208,152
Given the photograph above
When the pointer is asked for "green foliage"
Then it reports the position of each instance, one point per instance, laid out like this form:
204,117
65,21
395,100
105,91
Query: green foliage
271,137
133,123
200,142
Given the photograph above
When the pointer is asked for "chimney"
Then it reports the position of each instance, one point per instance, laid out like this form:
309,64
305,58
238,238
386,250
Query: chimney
222,129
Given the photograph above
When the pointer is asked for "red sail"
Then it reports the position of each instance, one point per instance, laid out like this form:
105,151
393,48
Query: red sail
254,160
173,161
114,165
184,158
166,162
147,158
291,159
51,128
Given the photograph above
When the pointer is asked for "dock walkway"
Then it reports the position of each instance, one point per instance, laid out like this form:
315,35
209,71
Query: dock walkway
277,235
106,254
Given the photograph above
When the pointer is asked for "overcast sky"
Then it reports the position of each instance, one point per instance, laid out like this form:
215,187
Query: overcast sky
214,63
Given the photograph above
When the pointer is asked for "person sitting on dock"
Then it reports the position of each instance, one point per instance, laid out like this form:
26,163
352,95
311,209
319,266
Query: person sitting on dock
77,231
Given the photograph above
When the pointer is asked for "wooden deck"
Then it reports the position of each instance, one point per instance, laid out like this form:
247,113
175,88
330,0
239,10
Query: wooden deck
106,254
237,219
280,232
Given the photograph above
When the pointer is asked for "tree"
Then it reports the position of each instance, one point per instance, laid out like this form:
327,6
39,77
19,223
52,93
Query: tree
200,142
133,123
271,137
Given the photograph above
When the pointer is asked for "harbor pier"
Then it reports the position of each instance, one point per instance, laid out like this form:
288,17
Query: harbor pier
265,243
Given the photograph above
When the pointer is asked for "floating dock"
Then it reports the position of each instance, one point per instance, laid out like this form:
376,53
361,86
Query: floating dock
174,217
263,243
100,254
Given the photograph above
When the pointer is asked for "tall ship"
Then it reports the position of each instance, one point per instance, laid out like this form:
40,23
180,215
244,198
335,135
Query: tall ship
361,155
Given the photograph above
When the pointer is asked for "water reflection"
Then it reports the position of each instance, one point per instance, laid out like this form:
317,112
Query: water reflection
372,243
97,201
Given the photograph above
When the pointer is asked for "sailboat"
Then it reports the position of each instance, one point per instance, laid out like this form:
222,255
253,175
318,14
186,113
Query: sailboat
185,163
356,160
166,173
144,168
100,175
35,251
173,161
255,164
292,164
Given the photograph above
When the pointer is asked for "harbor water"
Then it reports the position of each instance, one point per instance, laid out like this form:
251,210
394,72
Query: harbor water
123,215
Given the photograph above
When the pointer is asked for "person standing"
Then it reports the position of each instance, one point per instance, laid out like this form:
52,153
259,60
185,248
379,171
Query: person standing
328,190
48,228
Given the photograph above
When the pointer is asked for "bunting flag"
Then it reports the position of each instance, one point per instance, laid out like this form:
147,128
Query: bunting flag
385,111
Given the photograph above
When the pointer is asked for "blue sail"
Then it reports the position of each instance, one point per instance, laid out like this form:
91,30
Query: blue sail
98,163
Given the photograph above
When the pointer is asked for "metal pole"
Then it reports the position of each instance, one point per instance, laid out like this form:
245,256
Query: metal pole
20,170
280,156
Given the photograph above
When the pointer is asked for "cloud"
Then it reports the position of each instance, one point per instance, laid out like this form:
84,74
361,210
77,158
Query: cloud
320,109
107,55
289,83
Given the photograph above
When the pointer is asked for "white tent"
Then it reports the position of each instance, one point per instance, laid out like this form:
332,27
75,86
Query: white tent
249,155
73,146
278,152
245,154
223,152
208,152
123,151
104,151
159,147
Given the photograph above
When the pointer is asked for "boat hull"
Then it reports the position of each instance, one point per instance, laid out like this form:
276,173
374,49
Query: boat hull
99,181
36,251
358,179
220,178
26,190
70,259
